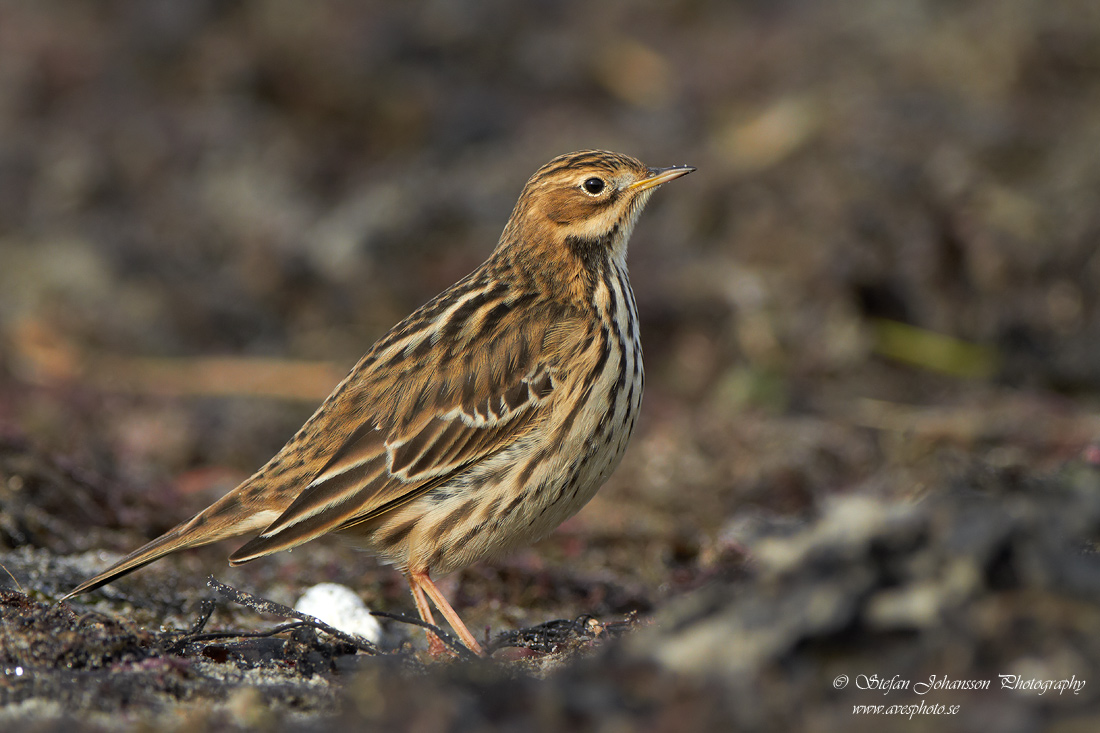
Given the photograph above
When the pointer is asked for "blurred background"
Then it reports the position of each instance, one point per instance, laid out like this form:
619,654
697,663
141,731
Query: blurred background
883,273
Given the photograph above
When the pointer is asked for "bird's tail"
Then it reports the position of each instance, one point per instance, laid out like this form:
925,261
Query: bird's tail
224,518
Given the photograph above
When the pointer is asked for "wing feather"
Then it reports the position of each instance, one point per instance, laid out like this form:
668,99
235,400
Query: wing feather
438,416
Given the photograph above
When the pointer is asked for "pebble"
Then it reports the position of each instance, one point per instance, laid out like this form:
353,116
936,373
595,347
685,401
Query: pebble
339,606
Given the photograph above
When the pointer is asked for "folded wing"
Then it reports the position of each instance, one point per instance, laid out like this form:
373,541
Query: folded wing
422,416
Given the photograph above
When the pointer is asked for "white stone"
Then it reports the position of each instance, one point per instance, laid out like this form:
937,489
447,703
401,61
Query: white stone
340,607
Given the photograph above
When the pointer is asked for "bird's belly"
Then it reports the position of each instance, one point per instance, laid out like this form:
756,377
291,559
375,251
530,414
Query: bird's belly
524,491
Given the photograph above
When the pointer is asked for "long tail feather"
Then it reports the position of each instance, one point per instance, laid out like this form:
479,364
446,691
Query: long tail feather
176,539
225,518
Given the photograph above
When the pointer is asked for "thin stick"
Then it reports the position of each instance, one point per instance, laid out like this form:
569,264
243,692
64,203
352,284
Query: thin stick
263,605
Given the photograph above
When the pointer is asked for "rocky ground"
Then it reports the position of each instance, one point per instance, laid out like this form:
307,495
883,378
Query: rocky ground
869,458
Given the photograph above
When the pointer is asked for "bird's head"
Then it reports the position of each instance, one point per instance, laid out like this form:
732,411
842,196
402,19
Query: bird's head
584,205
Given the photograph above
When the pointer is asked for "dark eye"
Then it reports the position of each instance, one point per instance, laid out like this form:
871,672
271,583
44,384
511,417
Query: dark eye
593,185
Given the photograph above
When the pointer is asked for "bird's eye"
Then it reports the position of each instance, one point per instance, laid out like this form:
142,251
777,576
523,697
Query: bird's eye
593,185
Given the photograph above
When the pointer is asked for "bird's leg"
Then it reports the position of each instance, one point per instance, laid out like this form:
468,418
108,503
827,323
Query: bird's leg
421,584
436,647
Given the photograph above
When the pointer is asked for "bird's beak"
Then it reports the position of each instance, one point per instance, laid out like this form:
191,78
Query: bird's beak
657,176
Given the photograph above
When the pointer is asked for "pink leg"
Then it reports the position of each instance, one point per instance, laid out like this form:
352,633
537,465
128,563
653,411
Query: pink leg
421,584
436,647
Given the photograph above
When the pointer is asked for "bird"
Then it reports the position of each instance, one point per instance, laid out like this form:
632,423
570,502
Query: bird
482,421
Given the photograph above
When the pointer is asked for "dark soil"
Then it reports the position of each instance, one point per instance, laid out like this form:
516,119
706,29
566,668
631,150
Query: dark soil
870,444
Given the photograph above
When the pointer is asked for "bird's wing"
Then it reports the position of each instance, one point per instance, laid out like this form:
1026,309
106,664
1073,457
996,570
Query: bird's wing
420,412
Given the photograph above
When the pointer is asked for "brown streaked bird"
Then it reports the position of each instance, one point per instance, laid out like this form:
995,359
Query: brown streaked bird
483,420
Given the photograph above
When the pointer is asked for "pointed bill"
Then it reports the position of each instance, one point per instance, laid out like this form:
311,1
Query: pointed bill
657,176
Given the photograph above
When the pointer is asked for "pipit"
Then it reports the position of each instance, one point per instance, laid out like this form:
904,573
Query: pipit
482,421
